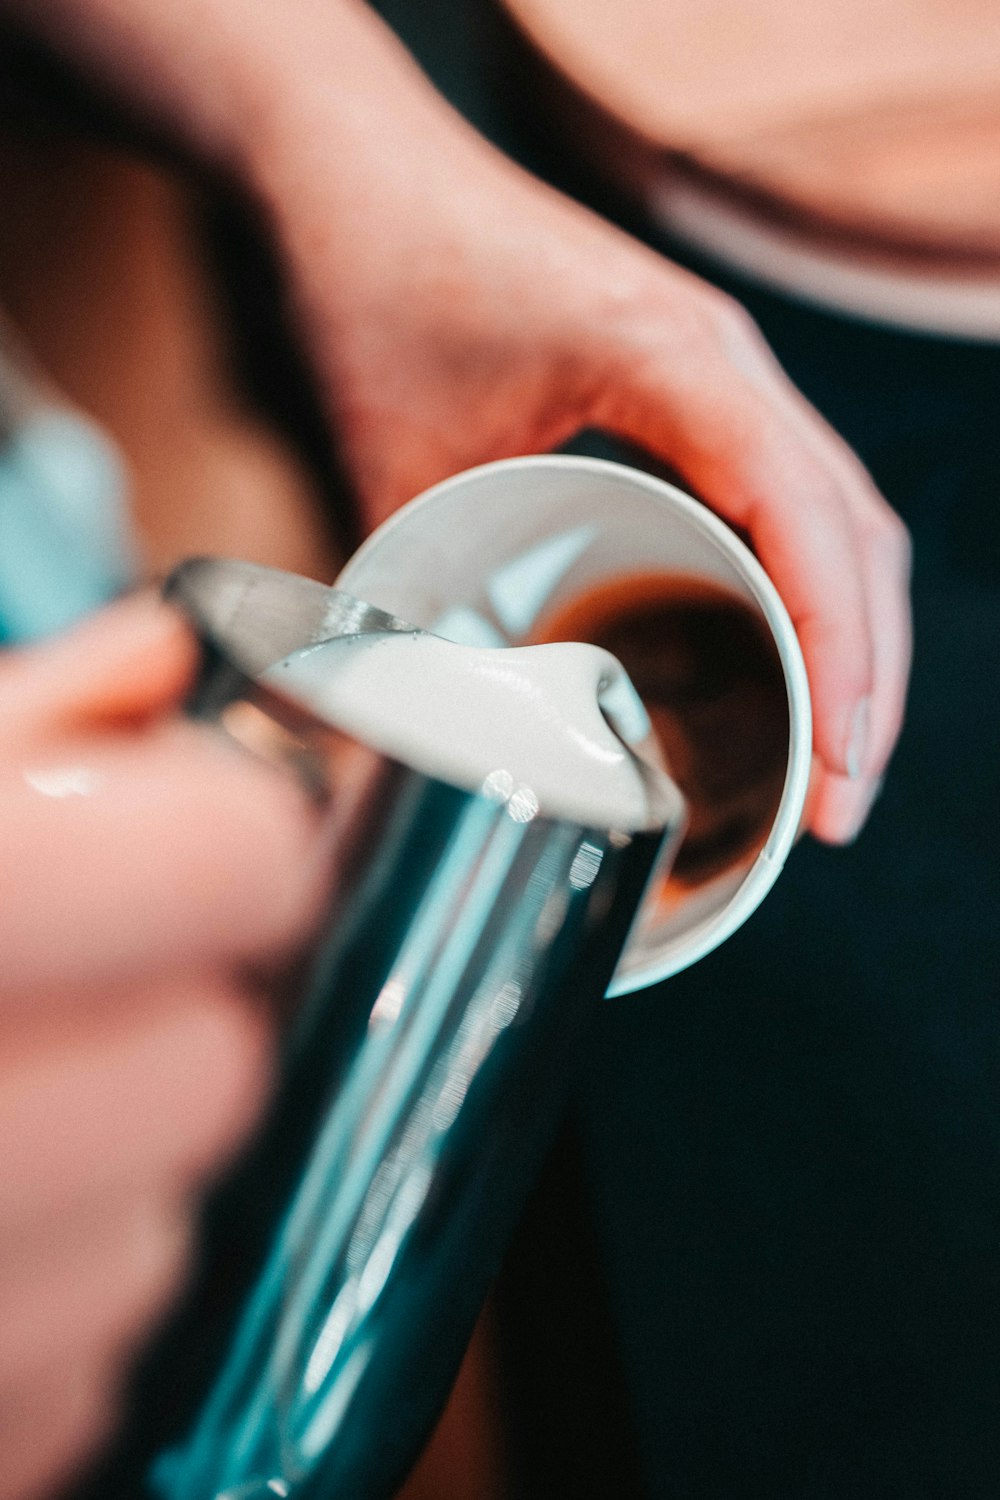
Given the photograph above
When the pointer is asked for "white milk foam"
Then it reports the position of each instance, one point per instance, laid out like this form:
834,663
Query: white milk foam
527,722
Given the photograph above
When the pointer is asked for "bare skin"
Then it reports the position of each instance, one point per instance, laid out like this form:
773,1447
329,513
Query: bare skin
458,311
133,1059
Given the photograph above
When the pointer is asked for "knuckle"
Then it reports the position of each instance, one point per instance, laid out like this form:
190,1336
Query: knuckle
93,1299
726,329
698,321
847,655
51,1430
735,339
155,1255
273,836
838,646
228,1079
734,326
819,488
859,675
798,473
87,1431
894,540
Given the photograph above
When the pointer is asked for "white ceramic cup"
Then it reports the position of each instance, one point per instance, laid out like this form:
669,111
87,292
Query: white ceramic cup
483,556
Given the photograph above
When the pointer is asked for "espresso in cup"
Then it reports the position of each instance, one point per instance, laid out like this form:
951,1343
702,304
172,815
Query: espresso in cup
708,670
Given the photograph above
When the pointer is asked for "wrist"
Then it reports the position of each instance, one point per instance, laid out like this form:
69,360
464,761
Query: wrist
340,102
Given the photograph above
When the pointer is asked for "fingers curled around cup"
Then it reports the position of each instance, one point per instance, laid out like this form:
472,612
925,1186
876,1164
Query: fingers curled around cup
841,807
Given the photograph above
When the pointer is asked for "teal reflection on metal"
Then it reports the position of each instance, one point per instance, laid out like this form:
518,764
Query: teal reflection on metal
64,539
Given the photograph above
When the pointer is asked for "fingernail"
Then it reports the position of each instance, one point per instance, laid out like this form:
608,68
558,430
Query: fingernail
858,740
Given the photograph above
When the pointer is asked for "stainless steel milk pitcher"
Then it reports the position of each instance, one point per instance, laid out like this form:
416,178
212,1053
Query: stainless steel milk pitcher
422,1078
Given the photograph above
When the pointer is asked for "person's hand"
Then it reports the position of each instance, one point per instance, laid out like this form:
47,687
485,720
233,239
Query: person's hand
458,311
143,866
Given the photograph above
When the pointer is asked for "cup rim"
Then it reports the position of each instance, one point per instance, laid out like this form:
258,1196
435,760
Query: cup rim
762,873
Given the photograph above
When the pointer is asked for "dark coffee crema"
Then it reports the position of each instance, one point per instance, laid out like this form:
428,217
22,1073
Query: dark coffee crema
709,673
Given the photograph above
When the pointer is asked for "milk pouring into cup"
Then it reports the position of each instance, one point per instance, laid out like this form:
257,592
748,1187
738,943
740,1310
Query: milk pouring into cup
497,817
555,725
501,554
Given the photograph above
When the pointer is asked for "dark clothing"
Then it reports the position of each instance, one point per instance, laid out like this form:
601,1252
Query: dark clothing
795,1147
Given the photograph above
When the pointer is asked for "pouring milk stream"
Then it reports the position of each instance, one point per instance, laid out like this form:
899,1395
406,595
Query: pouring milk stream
559,726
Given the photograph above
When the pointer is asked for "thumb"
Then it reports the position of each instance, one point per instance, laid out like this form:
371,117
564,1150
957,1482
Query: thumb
127,664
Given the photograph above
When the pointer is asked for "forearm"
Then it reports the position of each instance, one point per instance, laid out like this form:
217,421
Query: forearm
230,80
